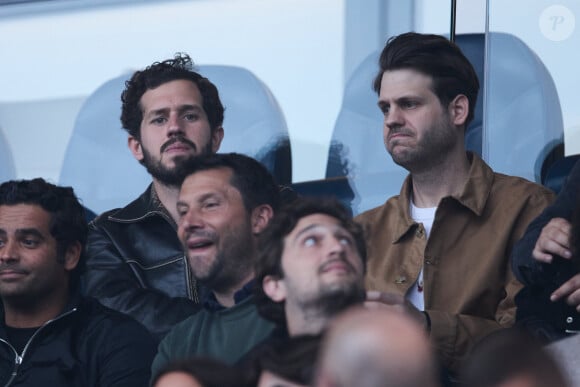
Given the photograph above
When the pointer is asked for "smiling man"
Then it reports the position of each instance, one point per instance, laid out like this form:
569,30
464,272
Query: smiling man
135,261
49,334
441,248
224,203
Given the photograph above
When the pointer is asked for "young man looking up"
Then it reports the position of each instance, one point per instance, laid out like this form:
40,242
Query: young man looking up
311,265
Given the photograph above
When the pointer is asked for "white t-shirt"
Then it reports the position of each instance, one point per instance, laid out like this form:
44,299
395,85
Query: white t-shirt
424,216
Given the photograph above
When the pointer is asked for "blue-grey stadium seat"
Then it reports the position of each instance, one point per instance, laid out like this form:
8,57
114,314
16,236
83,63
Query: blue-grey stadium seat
7,170
522,106
104,173
523,118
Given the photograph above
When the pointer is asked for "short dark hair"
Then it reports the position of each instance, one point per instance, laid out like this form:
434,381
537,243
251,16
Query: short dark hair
159,73
437,57
271,245
68,223
249,176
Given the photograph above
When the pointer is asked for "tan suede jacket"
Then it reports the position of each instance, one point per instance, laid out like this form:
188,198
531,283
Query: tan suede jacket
469,288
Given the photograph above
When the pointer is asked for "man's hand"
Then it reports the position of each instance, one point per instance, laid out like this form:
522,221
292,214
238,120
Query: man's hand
554,240
571,290
396,302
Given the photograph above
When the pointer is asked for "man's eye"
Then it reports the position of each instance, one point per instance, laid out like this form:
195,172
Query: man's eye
29,242
409,104
191,117
210,205
158,120
345,241
310,241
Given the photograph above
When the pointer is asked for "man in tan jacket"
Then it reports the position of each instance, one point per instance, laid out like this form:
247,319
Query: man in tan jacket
440,250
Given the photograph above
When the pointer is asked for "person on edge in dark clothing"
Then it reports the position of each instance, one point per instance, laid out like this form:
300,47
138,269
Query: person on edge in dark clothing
49,334
547,261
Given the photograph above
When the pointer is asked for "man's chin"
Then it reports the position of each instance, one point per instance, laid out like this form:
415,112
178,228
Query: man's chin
338,300
174,162
342,286
345,291
170,174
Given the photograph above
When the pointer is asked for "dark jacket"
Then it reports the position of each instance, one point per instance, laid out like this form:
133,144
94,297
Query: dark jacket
525,267
545,319
136,265
88,345
536,313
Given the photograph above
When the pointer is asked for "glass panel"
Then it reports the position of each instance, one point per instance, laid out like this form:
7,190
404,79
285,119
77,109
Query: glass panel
531,83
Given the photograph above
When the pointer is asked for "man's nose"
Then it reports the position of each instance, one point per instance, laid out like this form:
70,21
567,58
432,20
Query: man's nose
394,118
8,252
191,220
174,126
336,245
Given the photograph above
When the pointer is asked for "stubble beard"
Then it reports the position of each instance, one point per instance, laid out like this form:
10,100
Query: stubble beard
232,263
433,147
334,298
171,176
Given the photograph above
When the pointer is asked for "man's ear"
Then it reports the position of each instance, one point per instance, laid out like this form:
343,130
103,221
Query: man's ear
459,110
72,255
261,216
135,146
217,135
274,288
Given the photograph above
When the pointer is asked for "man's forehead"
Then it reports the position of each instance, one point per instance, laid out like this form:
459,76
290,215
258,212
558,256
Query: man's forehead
175,92
23,216
209,179
405,81
315,220
407,73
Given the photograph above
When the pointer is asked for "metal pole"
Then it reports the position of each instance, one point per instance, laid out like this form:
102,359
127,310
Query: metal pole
453,20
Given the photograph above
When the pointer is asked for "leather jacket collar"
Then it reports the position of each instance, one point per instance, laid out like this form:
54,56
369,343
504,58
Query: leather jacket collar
146,205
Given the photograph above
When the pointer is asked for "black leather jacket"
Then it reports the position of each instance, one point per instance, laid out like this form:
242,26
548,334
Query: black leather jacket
136,265
87,345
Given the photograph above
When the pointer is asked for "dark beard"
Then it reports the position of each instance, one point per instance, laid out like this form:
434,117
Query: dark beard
334,301
433,148
232,264
171,177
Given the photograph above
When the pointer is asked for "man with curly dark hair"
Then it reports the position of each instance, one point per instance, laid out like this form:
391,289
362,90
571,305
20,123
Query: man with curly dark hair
135,261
